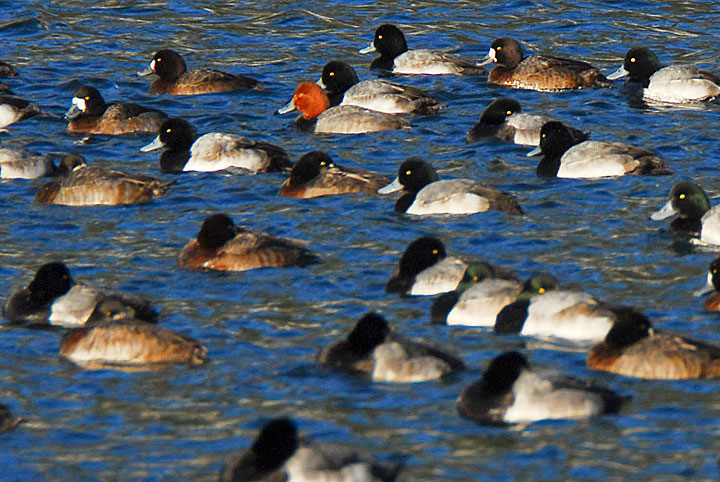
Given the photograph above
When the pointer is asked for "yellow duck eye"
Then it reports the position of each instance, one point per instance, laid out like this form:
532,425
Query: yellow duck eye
509,112
541,291
475,278
632,60
380,37
87,97
407,173
498,48
332,74
168,131
435,251
682,196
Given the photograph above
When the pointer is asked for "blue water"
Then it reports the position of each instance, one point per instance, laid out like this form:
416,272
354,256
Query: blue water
263,327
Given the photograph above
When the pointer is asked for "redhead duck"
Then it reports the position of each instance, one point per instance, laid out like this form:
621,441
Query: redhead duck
14,109
342,86
175,79
83,185
425,194
565,155
53,297
511,391
712,303
318,117
673,84
123,342
504,119
695,218
89,114
7,70
185,151
425,269
23,164
395,57
221,245
8,421
315,174
633,348
372,350
277,454
539,72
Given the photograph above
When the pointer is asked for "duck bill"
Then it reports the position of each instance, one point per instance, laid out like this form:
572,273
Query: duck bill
156,144
488,59
72,112
664,212
391,188
289,107
535,152
368,50
621,72
148,71
707,288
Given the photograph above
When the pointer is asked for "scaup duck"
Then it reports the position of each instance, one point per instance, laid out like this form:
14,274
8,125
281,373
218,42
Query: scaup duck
277,454
712,303
83,185
553,313
395,57
89,114
371,350
122,342
14,109
425,269
8,421
672,84
24,164
175,79
315,174
425,194
695,218
342,86
538,72
564,155
319,118
504,119
185,151
221,245
511,391
54,297
633,348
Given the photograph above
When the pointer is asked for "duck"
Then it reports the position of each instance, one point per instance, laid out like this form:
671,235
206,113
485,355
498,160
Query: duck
371,350
315,174
175,79
548,312
319,118
673,84
8,421
7,70
341,84
425,194
185,151
14,109
278,454
567,156
538,72
223,246
83,185
503,119
512,391
20,163
126,342
53,297
695,218
395,57
634,348
481,295
425,269
712,303
89,114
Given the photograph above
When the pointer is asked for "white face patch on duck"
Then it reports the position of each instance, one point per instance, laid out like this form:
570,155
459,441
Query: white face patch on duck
492,55
152,65
79,103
